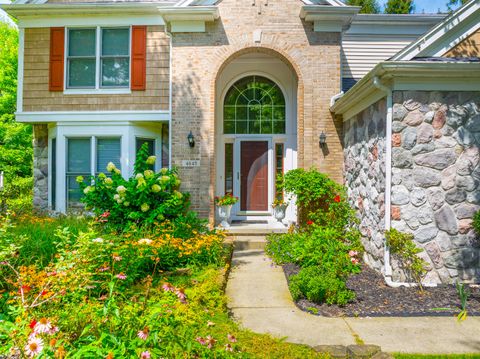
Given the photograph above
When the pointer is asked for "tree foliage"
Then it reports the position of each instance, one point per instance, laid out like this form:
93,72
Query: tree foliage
15,138
368,6
399,7
454,3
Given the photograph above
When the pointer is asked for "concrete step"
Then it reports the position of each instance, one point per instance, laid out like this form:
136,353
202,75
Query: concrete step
244,243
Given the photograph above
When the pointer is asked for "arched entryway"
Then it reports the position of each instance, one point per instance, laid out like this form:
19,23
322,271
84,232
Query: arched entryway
256,132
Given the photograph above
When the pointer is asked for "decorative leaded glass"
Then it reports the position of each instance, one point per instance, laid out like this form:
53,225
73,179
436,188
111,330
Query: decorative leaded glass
254,105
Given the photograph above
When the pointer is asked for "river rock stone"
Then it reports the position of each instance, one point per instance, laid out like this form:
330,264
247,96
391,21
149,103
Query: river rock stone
446,220
464,137
456,116
398,126
435,254
424,133
425,234
455,195
461,258
399,112
418,197
439,159
401,158
473,124
426,177
439,119
435,197
423,148
409,138
400,195
414,118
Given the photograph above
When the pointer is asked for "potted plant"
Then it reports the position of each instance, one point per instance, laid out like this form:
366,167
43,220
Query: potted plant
279,205
224,205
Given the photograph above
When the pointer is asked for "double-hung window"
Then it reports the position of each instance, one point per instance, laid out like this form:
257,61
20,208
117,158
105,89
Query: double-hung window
88,157
98,58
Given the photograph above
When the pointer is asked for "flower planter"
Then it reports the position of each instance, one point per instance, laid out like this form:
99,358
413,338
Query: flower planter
279,212
224,213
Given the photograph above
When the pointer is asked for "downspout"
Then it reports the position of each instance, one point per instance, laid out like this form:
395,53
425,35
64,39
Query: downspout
170,96
336,98
388,186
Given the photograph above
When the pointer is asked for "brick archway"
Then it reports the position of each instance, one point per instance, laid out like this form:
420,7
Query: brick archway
223,59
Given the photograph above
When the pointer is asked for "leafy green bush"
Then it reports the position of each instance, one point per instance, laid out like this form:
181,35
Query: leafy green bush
319,199
145,200
320,285
403,247
476,223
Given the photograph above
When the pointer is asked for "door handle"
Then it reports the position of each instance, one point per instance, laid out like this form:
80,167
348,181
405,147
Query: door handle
238,175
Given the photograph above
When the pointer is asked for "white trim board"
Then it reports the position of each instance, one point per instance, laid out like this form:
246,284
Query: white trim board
455,28
91,20
93,116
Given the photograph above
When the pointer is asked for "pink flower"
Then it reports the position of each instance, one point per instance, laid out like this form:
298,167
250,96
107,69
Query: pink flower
228,348
353,253
121,276
231,338
201,340
210,324
181,295
167,287
117,258
210,342
143,334
105,214
145,355
354,260
43,326
104,269
34,347
53,330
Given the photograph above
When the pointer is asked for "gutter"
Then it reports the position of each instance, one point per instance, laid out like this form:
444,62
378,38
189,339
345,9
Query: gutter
388,188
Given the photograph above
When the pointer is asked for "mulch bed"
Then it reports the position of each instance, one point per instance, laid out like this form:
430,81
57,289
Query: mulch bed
376,299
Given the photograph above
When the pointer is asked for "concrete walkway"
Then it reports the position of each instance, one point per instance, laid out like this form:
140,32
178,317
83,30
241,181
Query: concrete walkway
260,301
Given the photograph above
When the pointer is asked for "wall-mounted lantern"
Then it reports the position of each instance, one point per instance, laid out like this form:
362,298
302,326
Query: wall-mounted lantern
191,139
323,139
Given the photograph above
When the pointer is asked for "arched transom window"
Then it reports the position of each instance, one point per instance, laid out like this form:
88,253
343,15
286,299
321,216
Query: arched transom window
254,105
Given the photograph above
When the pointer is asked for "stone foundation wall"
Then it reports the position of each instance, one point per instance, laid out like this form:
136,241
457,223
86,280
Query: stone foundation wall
364,169
40,167
436,177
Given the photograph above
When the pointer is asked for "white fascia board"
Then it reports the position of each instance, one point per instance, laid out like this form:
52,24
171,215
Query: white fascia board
448,28
408,75
189,13
342,16
92,116
92,20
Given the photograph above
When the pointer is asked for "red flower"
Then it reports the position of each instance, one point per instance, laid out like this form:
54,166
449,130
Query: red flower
105,214
25,288
309,223
337,199
32,324
44,293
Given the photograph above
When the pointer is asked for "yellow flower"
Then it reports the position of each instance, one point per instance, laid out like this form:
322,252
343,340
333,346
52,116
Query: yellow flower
151,160
111,167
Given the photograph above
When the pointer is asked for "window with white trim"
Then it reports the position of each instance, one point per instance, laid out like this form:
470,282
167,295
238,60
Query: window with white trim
88,156
98,58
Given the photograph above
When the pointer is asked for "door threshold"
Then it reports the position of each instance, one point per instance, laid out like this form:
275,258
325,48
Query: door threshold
249,213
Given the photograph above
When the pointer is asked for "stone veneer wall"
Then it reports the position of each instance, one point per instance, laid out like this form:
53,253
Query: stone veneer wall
364,168
436,177
40,167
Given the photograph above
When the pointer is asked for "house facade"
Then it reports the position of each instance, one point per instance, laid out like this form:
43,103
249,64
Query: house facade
230,92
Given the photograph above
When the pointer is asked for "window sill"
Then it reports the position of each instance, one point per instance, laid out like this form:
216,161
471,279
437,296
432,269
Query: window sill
117,91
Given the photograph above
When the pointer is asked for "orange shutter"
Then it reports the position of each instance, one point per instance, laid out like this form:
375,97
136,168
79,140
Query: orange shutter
139,58
57,51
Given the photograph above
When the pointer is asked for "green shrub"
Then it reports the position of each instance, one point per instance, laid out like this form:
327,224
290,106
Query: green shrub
319,199
145,200
403,247
17,195
476,223
320,285
318,247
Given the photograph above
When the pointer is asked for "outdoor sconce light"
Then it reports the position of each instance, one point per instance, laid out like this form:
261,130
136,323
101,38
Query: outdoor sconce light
191,140
323,139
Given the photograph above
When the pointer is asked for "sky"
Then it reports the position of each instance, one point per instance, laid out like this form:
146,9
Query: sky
430,6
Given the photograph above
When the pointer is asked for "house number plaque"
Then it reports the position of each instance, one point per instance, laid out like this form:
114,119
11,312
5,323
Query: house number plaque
190,163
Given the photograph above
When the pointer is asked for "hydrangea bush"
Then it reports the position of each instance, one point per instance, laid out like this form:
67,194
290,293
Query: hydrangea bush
148,197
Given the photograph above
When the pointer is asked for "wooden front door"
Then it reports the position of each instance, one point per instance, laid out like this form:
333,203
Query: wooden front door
254,176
